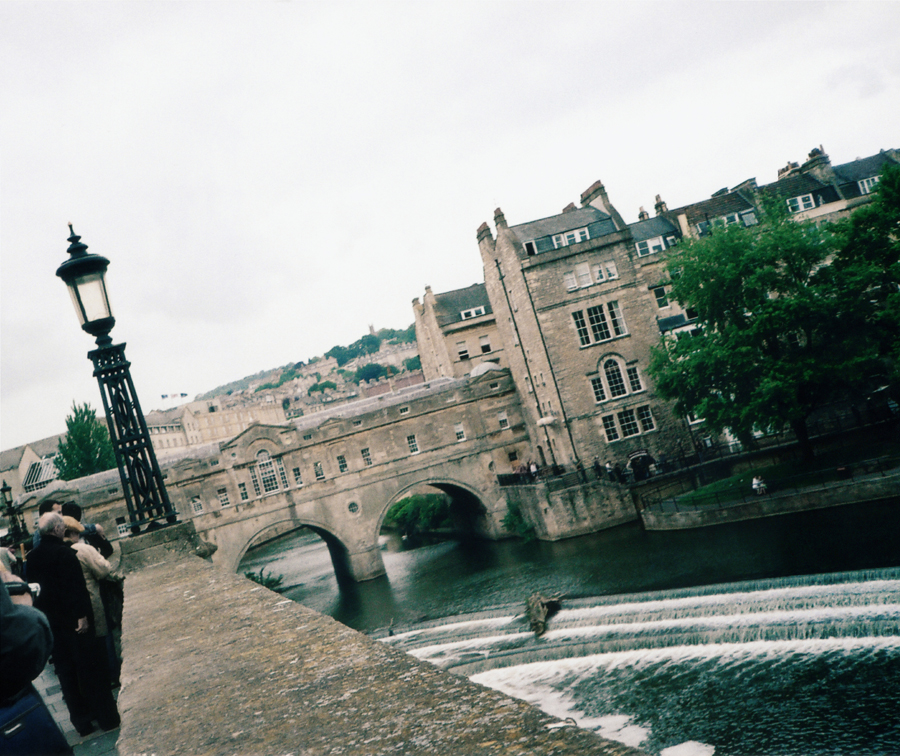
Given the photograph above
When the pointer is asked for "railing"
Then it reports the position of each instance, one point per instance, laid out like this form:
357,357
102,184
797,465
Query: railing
826,478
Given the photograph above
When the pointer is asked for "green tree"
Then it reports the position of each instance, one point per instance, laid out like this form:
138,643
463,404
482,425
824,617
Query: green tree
413,363
779,330
871,256
419,513
86,448
371,372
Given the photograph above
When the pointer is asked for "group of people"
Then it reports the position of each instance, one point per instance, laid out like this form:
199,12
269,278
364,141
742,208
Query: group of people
79,597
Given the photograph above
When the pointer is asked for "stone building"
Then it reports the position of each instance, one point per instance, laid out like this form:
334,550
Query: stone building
456,331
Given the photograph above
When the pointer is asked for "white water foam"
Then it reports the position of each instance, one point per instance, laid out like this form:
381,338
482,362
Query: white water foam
689,748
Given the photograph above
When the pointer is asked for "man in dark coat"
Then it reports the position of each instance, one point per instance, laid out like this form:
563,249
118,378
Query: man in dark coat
80,666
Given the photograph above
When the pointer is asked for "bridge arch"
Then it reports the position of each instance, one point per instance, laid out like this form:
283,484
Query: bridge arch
469,512
340,554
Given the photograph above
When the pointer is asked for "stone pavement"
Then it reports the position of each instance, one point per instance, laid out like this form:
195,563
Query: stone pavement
215,664
97,744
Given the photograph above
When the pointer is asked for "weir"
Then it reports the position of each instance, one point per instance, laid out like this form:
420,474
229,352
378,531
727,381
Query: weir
729,667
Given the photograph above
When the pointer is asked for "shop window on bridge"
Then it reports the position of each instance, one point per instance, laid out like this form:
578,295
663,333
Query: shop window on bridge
222,493
196,505
460,432
242,490
342,463
367,457
122,526
317,469
413,444
298,477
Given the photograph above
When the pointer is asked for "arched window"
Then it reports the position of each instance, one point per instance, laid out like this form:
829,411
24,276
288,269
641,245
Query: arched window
614,378
266,473
611,382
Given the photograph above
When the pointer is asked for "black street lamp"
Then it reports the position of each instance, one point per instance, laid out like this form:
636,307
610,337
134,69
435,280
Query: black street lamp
16,532
145,493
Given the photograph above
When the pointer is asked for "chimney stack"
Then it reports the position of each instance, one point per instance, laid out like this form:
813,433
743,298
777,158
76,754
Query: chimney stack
660,206
643,214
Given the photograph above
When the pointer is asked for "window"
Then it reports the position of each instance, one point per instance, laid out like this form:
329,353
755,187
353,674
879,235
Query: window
485,344
473,313
530,249
121,526
242,490
222,493
645,418
570,281
513,456
367,457
319,472
404,410
298,476
462,350
307,436
570,237
634,379
867,185
265,467
599,393
650,246
615,317
614,378
357,423
254,478
495,385
342,463
503,420
40,474
413,444
662,300
610,269
460,432
609,427
581,328
281,473
627,423
798,204
583,275
196,505
600,327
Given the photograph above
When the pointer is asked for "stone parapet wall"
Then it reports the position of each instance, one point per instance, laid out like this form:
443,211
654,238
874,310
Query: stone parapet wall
215,664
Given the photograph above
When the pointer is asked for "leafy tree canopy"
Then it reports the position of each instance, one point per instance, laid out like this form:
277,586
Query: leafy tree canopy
419,513
781,330
86,448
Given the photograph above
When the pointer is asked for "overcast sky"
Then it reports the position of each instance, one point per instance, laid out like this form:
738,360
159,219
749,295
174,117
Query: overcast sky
269,178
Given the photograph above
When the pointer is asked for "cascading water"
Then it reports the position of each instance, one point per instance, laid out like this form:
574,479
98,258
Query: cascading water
803,665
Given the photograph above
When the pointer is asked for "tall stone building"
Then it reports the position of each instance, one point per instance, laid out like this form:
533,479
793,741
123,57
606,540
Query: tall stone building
577,321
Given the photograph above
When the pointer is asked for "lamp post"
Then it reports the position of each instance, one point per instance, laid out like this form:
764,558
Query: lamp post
142,482
16,532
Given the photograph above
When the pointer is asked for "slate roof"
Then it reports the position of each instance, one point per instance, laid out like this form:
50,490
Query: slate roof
715,207
652,228
11,458
862,168
557,224
449,304
795,186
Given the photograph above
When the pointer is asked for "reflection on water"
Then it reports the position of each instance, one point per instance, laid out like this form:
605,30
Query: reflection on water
658,645
461,577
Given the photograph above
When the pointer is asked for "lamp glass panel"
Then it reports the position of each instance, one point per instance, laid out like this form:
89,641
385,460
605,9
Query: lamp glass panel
89,296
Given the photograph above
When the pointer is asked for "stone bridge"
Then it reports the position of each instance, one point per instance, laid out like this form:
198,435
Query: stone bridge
339,475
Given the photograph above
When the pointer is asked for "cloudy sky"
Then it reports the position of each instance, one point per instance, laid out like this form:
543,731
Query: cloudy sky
269,178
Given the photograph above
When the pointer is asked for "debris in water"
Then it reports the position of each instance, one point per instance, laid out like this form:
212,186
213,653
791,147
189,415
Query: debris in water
539,609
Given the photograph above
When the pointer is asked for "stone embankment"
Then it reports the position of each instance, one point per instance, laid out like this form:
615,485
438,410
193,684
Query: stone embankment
215,664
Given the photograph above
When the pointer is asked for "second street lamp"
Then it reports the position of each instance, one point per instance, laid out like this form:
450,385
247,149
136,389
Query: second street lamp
142,483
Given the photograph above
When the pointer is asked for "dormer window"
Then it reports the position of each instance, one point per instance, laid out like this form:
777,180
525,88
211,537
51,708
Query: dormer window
473,313
530,248
650,246
569,237
866,186
801,203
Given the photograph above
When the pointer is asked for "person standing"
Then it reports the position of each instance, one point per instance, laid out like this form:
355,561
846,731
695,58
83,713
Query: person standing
65,600
95,569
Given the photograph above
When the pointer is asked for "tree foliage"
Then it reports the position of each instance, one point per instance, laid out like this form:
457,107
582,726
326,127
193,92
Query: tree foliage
785,325
419,513
86,448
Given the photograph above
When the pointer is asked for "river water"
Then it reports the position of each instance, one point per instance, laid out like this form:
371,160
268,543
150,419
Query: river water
774,636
